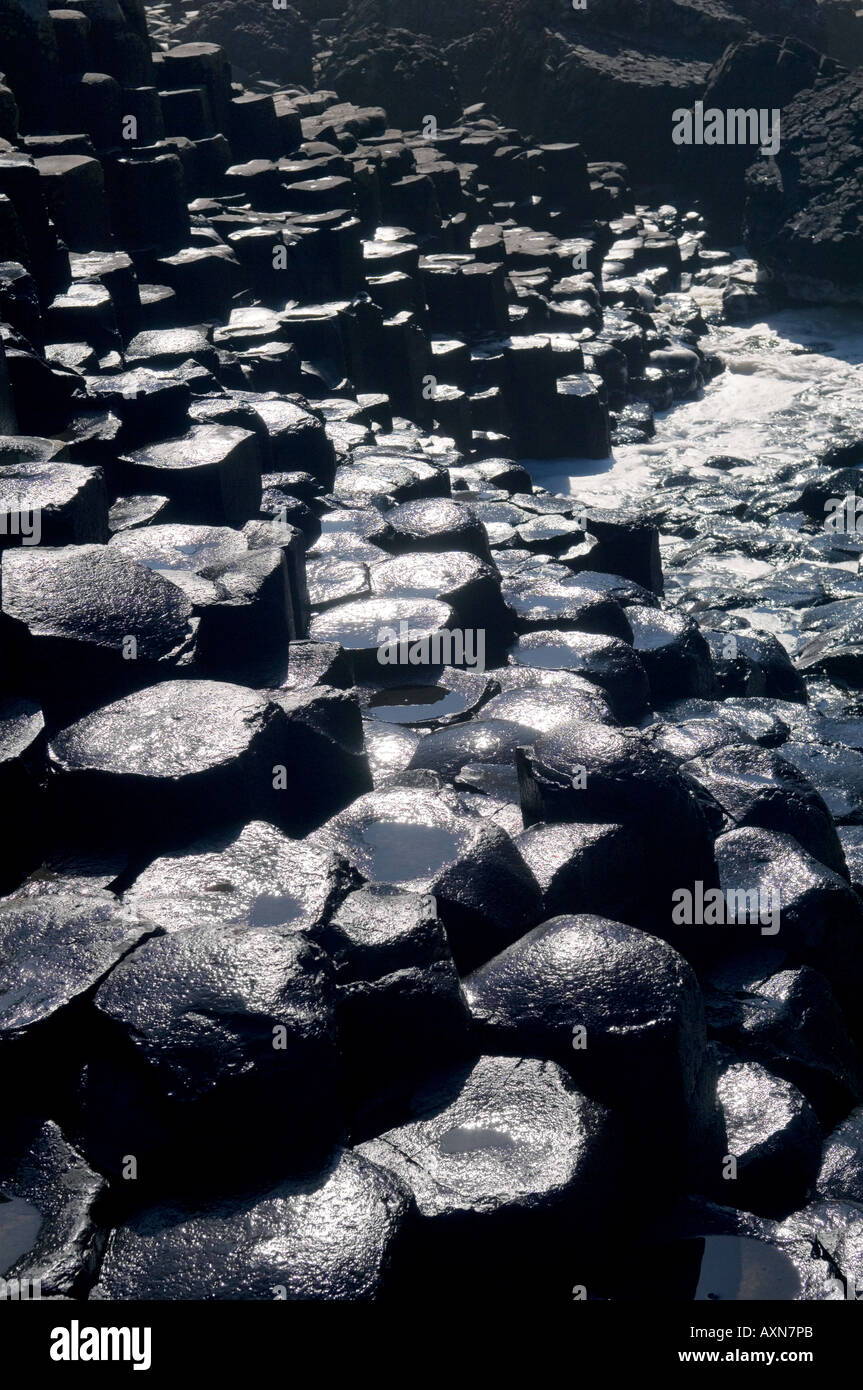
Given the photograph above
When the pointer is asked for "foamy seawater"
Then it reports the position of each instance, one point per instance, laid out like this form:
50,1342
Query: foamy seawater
790,384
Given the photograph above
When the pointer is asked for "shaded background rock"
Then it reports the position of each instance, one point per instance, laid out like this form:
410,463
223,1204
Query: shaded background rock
398,66
262,41
803,209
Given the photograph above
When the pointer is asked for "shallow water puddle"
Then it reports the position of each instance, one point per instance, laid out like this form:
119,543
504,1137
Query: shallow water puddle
415,704
465,1139
402,851
20,1223
740,1268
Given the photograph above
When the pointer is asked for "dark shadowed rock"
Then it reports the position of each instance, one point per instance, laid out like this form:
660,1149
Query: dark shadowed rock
753,664
275,43
819,918
245,630
397,67
22,775
402,1015
592,773
777,70
801,206
221,1036
322,763
789,1020
212,474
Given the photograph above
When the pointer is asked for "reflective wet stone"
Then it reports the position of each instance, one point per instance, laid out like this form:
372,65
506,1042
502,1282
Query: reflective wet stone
436,524
55,949
675,655
840,1176
819,917
617,1008
438,697
330,1235
772,1134
695,738
557,701
788,1019
211,474
402,1014
757,787
423,841
606,661
835,772
51,1232
485,741
383,634
595,774
470,586
484,1146
539,604
389,749
176,547
68,502
167,763
259,877
96,621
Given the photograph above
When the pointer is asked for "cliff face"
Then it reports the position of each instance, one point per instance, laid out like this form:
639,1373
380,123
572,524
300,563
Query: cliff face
804,209
276,44
609,75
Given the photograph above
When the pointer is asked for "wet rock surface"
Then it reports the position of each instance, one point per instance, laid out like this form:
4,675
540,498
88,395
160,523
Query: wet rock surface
435,786
485,1149
331,1236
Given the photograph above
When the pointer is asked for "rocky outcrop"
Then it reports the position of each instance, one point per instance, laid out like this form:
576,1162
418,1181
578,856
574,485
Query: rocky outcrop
367,64
263,40
559,86
756,74
30,59
804,208
380,819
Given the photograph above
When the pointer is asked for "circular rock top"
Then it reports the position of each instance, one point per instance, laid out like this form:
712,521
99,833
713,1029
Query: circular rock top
511,1133
169,730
